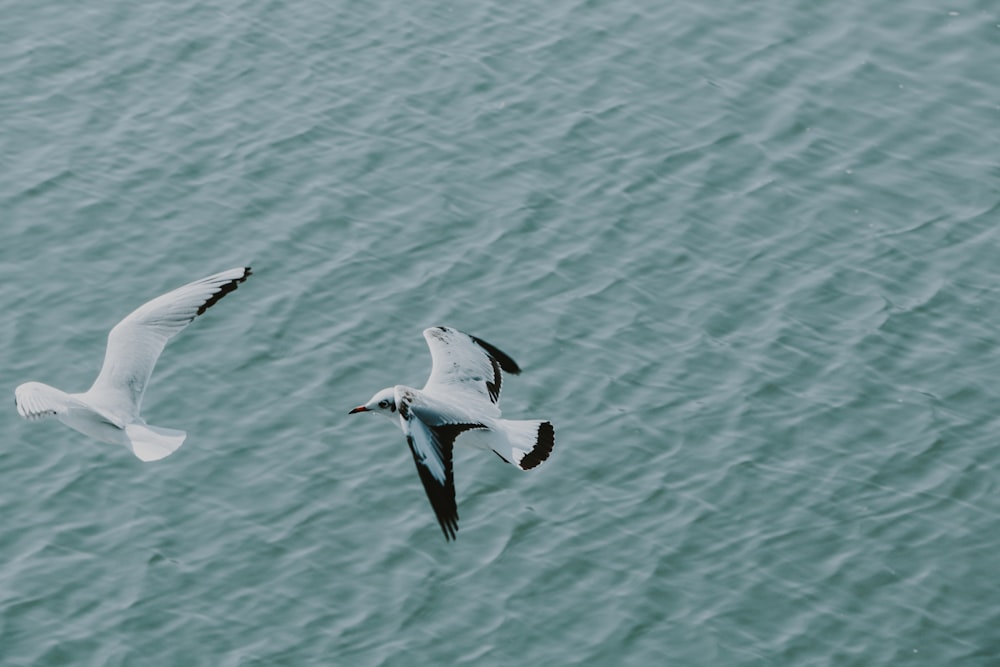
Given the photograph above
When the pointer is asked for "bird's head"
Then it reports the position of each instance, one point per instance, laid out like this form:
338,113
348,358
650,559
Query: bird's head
384,402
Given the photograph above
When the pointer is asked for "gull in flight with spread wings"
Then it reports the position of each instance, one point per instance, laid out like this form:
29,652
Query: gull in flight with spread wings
109,410
459,405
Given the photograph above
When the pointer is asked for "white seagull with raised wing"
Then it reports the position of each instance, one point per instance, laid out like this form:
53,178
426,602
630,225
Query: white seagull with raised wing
459,404
109,410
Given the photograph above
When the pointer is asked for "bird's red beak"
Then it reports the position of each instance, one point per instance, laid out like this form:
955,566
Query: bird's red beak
360,408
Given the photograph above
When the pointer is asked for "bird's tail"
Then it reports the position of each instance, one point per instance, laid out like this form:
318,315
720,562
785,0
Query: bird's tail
528,443
152,443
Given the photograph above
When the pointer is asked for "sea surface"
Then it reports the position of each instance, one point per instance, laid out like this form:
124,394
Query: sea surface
746,254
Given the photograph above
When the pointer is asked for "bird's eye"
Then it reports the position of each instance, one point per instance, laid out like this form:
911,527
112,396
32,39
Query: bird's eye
383,404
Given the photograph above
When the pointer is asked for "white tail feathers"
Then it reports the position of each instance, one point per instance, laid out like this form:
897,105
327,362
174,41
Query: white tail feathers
529,443
152,443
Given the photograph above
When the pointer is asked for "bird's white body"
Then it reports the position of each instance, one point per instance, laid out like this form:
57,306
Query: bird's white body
459,405
509,439
109,410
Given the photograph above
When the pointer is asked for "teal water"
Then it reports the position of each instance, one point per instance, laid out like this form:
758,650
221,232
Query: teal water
746,256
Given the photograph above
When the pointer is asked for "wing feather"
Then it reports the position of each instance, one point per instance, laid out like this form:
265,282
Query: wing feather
36,401
432,448
466,365
135,343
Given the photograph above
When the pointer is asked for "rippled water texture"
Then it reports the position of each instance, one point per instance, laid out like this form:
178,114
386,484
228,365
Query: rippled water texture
746,256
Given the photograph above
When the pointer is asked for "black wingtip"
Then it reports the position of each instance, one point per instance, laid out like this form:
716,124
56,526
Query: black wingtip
449,530
448,522
447,516
441,497
506,363
224,289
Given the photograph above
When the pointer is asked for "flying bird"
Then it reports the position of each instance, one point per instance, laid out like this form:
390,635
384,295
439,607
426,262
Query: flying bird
109,410
459,404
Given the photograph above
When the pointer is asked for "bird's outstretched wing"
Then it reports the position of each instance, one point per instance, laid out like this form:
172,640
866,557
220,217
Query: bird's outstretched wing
35,401
467,367
136,342
432,445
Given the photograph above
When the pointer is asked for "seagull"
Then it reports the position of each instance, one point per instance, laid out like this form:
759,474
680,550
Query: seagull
109,410
459,404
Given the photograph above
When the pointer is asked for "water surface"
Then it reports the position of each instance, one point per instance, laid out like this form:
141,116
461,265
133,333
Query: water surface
746,257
